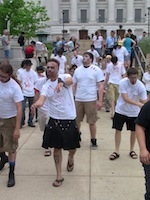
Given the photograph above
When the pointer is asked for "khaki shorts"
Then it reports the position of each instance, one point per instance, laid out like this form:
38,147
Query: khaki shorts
88,109
7,127
42,120
113,93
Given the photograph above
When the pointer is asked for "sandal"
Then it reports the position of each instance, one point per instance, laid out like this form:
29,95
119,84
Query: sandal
58,183
114,156
47,152
70,166
133,155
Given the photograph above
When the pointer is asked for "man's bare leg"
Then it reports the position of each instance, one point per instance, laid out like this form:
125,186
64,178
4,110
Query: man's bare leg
57,154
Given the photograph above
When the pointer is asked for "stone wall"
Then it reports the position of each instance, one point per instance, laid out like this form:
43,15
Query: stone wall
16,56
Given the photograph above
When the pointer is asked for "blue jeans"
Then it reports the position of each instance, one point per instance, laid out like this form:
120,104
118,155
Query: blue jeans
147,181
30,102
7,54
99,51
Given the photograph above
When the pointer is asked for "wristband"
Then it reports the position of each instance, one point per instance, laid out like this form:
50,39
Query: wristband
61,81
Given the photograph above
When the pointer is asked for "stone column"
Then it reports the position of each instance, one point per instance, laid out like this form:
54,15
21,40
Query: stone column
73,13
130,11
55,11
147,8
147,3
92,14
111,11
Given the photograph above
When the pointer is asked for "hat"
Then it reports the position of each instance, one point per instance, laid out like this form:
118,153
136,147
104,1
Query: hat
28,62
120,43
39,68
108,56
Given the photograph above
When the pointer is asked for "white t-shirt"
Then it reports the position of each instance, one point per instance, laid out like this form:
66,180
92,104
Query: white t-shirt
87,80
77,61
28,80
19,71
62,61
146,80
10,94
40,46
97,41
135,92
115,73
95,55
120,53
38,87
61,104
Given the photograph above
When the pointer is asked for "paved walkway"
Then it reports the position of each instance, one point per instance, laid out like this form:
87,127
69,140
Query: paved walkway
95,177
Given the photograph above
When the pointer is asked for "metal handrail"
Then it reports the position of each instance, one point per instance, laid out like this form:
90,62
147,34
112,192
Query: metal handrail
137,57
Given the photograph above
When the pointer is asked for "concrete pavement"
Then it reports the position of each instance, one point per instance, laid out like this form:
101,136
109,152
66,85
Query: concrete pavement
94,177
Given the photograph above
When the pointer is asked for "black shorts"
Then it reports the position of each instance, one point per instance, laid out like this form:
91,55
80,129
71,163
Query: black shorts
119,120
61,134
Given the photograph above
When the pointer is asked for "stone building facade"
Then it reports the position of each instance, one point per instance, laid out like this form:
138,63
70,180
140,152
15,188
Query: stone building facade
82,18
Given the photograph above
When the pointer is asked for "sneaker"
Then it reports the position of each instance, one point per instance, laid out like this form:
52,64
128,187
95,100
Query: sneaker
94,145
31,125
107,110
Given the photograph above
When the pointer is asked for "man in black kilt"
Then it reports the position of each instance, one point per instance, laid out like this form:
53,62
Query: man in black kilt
61,131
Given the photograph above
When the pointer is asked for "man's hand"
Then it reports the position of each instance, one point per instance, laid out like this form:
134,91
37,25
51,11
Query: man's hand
16,134
139,104
59,87
145,157
99,105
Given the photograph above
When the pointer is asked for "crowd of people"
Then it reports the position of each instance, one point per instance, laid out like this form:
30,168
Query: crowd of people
69,87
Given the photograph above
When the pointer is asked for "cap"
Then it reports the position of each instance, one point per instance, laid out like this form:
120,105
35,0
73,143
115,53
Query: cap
120,43
38,68
27,62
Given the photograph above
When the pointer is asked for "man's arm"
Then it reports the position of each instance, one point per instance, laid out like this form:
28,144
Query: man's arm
36,96
39,102
106,79
16,134
130,101
144,153
74,88
63,84
100,94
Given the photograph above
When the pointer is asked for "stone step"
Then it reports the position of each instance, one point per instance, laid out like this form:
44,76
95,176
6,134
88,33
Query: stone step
84,45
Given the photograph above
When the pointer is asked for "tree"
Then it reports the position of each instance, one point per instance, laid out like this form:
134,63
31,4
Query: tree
23,16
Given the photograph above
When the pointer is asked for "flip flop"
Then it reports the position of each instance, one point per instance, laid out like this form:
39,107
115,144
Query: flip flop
114,156
58,183
70,166
133,155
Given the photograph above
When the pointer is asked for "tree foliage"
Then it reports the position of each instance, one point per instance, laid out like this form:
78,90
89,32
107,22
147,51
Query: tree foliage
145,45
23,16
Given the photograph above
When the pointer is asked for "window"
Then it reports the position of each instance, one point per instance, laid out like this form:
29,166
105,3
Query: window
66,16
83,0
83,16
101,17
119,15
65,1
138,15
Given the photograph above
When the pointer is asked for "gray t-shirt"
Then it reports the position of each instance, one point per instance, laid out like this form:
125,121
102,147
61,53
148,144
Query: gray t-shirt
5,43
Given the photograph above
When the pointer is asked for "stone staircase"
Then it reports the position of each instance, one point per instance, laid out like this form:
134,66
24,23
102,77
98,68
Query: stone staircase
84,46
